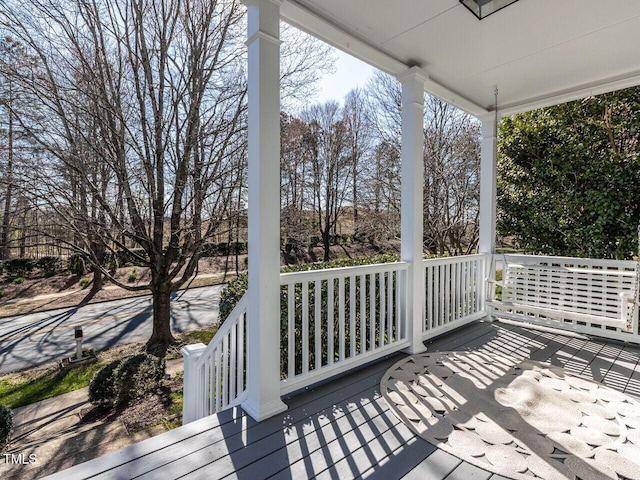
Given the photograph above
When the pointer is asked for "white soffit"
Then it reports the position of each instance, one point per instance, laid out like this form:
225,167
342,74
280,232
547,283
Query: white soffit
537,52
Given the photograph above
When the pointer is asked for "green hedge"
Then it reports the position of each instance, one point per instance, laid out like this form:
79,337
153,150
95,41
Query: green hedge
6,425
223,249
19,267
49,265
233,292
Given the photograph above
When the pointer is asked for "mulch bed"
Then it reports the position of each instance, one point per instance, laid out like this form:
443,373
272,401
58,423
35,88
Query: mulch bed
142,413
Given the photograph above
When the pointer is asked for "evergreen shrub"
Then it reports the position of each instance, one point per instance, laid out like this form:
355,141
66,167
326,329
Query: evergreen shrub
19,267
6,425
102,392
49,265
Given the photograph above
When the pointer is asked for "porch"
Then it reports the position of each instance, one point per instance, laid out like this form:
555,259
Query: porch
291,332
344,428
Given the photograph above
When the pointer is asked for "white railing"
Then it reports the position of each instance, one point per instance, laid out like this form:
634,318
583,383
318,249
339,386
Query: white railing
586,295
215,376
332,321
336,319
453,292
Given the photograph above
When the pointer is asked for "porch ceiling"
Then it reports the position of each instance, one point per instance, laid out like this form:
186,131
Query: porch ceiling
537,52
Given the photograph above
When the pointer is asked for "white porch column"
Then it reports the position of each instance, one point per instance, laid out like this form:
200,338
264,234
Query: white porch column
487,219
263,312
488,185
412,201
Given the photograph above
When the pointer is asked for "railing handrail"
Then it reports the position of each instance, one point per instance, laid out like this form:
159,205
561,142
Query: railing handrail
580,260
329,273
223,331
455,259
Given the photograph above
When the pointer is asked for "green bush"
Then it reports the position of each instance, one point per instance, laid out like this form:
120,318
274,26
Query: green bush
49,265
84,282
110,261
121,381
136,257
19,267
76,264
18,280
132,277
232,293
136,376
102,391
6,425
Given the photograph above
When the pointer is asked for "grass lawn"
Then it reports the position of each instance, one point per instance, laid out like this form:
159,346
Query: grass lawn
28,387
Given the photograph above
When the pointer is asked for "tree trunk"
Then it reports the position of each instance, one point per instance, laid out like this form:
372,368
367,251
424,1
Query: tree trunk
161,337
96,286
326,243
4,236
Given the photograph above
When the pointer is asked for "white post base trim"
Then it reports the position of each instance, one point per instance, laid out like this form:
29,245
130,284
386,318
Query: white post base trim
263,411
415,349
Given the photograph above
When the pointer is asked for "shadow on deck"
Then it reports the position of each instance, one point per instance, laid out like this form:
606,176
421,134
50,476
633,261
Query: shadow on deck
344,429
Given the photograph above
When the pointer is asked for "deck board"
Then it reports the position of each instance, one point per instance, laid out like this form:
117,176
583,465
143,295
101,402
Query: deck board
466,471
437,465
344,429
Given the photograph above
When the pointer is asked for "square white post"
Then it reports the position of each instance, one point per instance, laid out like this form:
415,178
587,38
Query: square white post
488,149
488,177
412,208
193,387
263,311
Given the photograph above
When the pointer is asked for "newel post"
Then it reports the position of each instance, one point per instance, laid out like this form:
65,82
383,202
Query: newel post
192,385
263,311
488,178
412,208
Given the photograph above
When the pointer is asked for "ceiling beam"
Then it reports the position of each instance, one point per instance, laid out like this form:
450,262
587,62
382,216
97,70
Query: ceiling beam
606,85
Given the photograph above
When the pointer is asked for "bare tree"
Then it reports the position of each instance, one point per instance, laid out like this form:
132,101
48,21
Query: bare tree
295,167
15,144
358,129
330,167
146,119
451,190
451,161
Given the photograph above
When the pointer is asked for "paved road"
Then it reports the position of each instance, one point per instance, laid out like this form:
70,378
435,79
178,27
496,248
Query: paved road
39,338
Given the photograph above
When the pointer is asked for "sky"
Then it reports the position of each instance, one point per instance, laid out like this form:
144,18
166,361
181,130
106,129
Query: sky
350,73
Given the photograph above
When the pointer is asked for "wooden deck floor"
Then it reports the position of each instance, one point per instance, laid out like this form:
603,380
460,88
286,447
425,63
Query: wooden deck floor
344,429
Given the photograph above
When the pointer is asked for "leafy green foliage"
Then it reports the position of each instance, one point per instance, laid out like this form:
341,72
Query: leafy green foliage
121,381
102,390
231,295
49,265
84,282
18,280
6,425
223,248
19,267
569,177
233,292
76,264
136,376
